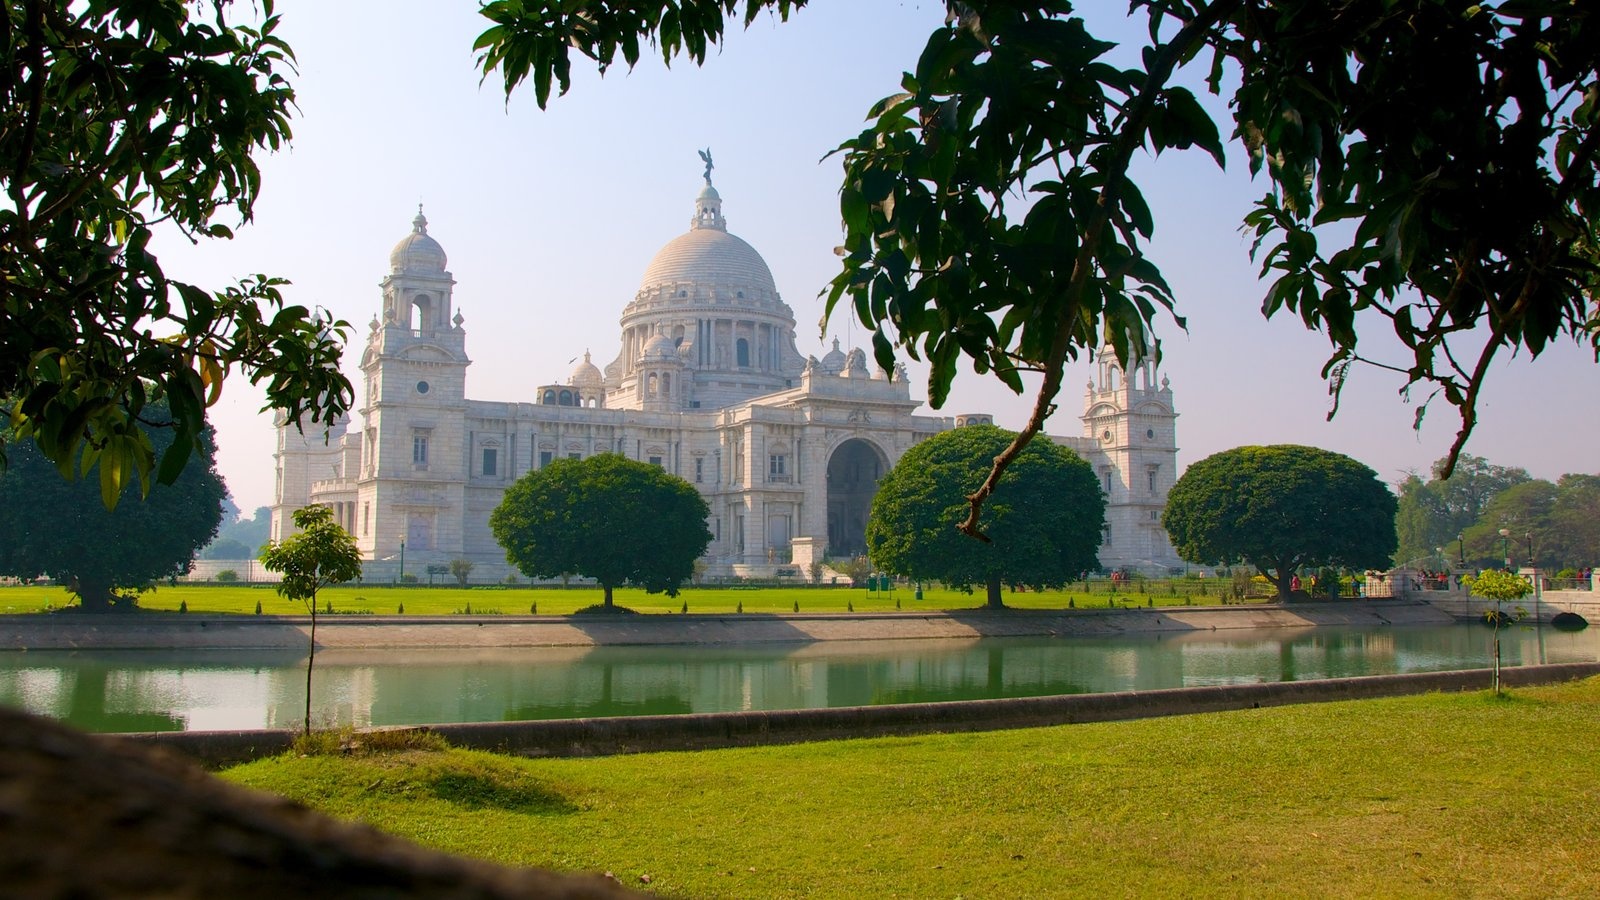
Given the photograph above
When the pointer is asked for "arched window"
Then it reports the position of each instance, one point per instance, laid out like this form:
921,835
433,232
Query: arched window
666,384
566,398
742,352
650,385
424,315
549,398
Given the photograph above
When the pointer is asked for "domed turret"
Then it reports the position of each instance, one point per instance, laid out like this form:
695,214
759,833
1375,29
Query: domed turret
586,375
658,347
832,363
417,252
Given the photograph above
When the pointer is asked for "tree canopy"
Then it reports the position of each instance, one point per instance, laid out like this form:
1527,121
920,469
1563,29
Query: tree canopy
50,526
1282,509
1555,524
1430,168
607,517
1043,530
317,554
1432,513
117,118
1551,525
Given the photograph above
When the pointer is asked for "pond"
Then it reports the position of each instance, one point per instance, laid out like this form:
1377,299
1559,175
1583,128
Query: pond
234,689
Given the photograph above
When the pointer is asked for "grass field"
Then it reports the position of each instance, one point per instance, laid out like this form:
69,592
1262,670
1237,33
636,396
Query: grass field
1438,795
425,600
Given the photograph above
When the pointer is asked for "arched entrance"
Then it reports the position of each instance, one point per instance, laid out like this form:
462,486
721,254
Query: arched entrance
853,473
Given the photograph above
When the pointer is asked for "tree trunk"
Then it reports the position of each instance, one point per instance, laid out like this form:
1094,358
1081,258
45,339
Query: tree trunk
311,661
993,590
607,588
93,596
1285,576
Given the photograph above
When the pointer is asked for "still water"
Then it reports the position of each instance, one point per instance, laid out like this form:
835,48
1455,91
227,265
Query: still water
227,689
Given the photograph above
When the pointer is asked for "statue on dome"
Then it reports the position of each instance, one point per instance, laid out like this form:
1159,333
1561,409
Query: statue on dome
705,157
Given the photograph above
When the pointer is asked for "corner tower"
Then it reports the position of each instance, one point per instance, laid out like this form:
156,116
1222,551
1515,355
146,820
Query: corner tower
413,442
1132,421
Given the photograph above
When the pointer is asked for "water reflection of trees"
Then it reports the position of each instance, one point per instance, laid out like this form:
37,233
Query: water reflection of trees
133,691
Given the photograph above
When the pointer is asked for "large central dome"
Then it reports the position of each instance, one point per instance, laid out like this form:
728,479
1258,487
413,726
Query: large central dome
708,256
707,328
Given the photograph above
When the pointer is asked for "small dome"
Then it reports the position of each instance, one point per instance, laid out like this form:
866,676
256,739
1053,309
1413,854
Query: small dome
417,252
586,374
659,347
833,362
708,193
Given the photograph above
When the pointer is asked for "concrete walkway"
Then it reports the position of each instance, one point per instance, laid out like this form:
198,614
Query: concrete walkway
165,631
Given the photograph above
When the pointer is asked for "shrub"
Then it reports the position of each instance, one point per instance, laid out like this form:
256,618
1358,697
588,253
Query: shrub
226,576
183,606
258,607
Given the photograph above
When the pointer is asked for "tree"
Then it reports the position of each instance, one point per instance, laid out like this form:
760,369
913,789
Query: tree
49,526
223,548
1524,510
1281,509
1043,531
318,554
989,213
1551,525
251,533
116,117
1433,512
1499,586
607,517
1574,532
461,568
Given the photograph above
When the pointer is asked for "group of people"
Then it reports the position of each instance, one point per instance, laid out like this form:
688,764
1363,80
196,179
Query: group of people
1429,580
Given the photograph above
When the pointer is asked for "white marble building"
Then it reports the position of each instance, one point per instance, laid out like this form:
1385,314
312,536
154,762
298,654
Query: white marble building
708,384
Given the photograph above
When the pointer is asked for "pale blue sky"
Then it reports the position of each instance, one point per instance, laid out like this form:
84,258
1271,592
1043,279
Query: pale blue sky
550,218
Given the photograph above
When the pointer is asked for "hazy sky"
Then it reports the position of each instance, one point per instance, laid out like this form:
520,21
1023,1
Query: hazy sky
550,218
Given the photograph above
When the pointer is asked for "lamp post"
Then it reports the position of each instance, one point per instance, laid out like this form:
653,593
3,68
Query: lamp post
1505,546
1461,550
403,560
1533,563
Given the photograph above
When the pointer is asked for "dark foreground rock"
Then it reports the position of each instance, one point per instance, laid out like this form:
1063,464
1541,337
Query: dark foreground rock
89,817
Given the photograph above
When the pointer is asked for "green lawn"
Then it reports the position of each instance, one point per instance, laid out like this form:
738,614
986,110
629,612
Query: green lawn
1438,795
425,600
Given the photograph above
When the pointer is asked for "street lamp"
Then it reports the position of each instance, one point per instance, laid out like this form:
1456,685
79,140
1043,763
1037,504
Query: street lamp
1533,563
1461,550
403,560
1505,546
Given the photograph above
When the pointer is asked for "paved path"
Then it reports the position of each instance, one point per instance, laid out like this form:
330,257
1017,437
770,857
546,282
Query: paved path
173,630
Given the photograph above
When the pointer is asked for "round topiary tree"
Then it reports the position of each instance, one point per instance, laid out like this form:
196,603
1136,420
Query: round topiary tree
1044,523
1281,509
52,526
607,517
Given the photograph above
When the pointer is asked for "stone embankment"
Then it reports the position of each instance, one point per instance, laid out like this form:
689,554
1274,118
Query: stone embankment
166,631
